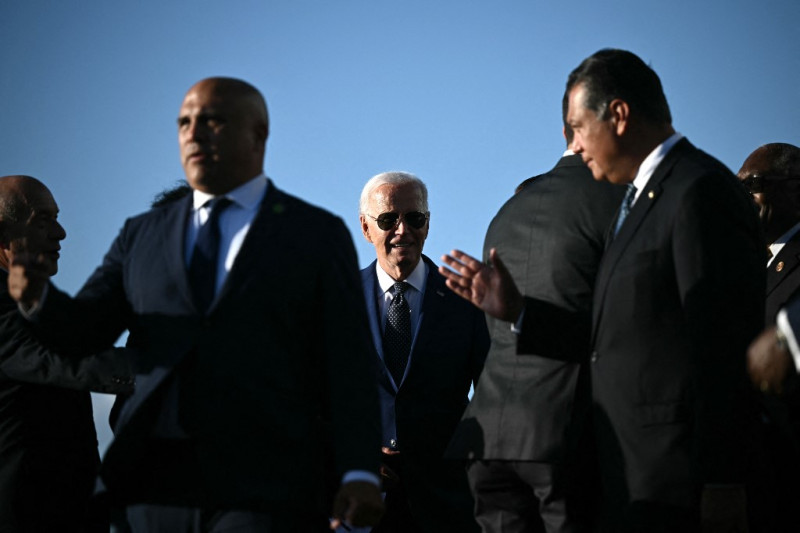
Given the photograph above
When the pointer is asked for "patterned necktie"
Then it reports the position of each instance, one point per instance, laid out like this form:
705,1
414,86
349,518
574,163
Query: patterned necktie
625,208
203,266
397,334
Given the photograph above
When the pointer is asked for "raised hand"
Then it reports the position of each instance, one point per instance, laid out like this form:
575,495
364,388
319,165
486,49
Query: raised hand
489,287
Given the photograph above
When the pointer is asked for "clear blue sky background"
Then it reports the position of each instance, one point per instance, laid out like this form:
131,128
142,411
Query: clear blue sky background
465,94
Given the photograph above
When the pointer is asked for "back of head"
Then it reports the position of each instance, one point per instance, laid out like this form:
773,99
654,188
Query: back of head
14,194
612,73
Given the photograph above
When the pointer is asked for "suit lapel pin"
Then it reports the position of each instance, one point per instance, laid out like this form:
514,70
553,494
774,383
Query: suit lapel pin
651,195
779,266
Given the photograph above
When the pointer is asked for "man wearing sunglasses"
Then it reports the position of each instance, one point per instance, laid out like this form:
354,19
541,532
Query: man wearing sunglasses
431,345
771,174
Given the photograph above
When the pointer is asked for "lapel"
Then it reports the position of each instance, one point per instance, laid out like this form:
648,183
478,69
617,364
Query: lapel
263,238
369,280
176,218
784,263
431,309
644,203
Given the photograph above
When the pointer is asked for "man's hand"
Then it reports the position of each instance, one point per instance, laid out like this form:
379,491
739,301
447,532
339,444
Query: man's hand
358,503
769,361
489,287
27,276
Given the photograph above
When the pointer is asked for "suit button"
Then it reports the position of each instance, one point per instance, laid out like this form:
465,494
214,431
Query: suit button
393,444
594,357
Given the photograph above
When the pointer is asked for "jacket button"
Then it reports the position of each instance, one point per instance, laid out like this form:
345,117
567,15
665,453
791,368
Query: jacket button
393,443
594,357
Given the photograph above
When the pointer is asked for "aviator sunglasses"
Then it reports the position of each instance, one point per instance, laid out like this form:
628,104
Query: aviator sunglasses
390,221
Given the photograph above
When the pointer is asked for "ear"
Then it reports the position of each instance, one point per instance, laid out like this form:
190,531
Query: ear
365,227
619,112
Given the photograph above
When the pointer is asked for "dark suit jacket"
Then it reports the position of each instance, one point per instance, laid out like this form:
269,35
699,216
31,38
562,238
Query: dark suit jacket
276,369
48,445
679,297
447,356
783,278
550,235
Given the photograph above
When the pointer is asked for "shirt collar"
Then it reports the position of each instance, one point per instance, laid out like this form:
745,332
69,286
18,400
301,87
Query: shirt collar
246,195
416,279
652,161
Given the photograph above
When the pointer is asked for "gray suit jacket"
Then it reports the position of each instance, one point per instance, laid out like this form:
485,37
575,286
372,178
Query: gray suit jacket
550,236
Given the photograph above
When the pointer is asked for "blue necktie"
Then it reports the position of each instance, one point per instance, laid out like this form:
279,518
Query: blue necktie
397,334
625,208
203,265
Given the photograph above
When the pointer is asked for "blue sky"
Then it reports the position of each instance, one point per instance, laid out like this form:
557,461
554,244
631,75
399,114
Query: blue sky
465,94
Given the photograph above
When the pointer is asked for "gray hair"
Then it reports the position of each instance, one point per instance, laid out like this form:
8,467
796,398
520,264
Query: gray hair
393,178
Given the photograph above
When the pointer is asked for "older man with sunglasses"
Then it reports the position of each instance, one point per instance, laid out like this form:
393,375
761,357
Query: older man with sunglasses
431,346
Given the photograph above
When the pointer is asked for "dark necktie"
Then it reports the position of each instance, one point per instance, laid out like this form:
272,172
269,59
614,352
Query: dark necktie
203,266
397,334
625,208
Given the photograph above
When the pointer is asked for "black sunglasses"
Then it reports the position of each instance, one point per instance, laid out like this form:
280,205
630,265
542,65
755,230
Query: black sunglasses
389,221
755,184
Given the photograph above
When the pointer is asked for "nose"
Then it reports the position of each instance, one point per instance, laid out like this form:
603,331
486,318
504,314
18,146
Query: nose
58,232
577,144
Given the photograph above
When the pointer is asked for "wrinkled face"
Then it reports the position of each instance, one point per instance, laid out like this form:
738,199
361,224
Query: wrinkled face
39,233
399,249
777,195
219,139
595,139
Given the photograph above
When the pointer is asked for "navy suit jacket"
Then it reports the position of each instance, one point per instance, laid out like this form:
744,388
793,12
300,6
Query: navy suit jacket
447,356
273,373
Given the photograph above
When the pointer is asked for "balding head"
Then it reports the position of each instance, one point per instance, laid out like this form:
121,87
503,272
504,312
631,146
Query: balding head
29,221
772,175
222,132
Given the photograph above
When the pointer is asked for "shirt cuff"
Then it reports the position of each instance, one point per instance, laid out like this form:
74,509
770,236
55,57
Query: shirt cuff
516,327
791,340
361,475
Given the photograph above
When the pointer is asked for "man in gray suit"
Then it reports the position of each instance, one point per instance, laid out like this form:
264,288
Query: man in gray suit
523,429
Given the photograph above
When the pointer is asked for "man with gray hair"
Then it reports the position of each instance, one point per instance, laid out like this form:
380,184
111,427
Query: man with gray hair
431,346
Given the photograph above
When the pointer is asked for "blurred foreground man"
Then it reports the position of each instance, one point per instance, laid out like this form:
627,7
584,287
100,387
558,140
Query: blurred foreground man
431,347
48,445
679,296
246,307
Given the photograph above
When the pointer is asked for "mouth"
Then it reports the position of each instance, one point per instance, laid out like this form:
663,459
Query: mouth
196,154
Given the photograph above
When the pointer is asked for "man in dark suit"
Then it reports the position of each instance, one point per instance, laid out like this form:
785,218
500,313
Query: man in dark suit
523,429
430,346
48,445
772,176
679,295
253,377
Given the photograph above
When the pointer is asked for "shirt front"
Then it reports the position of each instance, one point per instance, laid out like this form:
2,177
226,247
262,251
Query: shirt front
414,296
234,222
